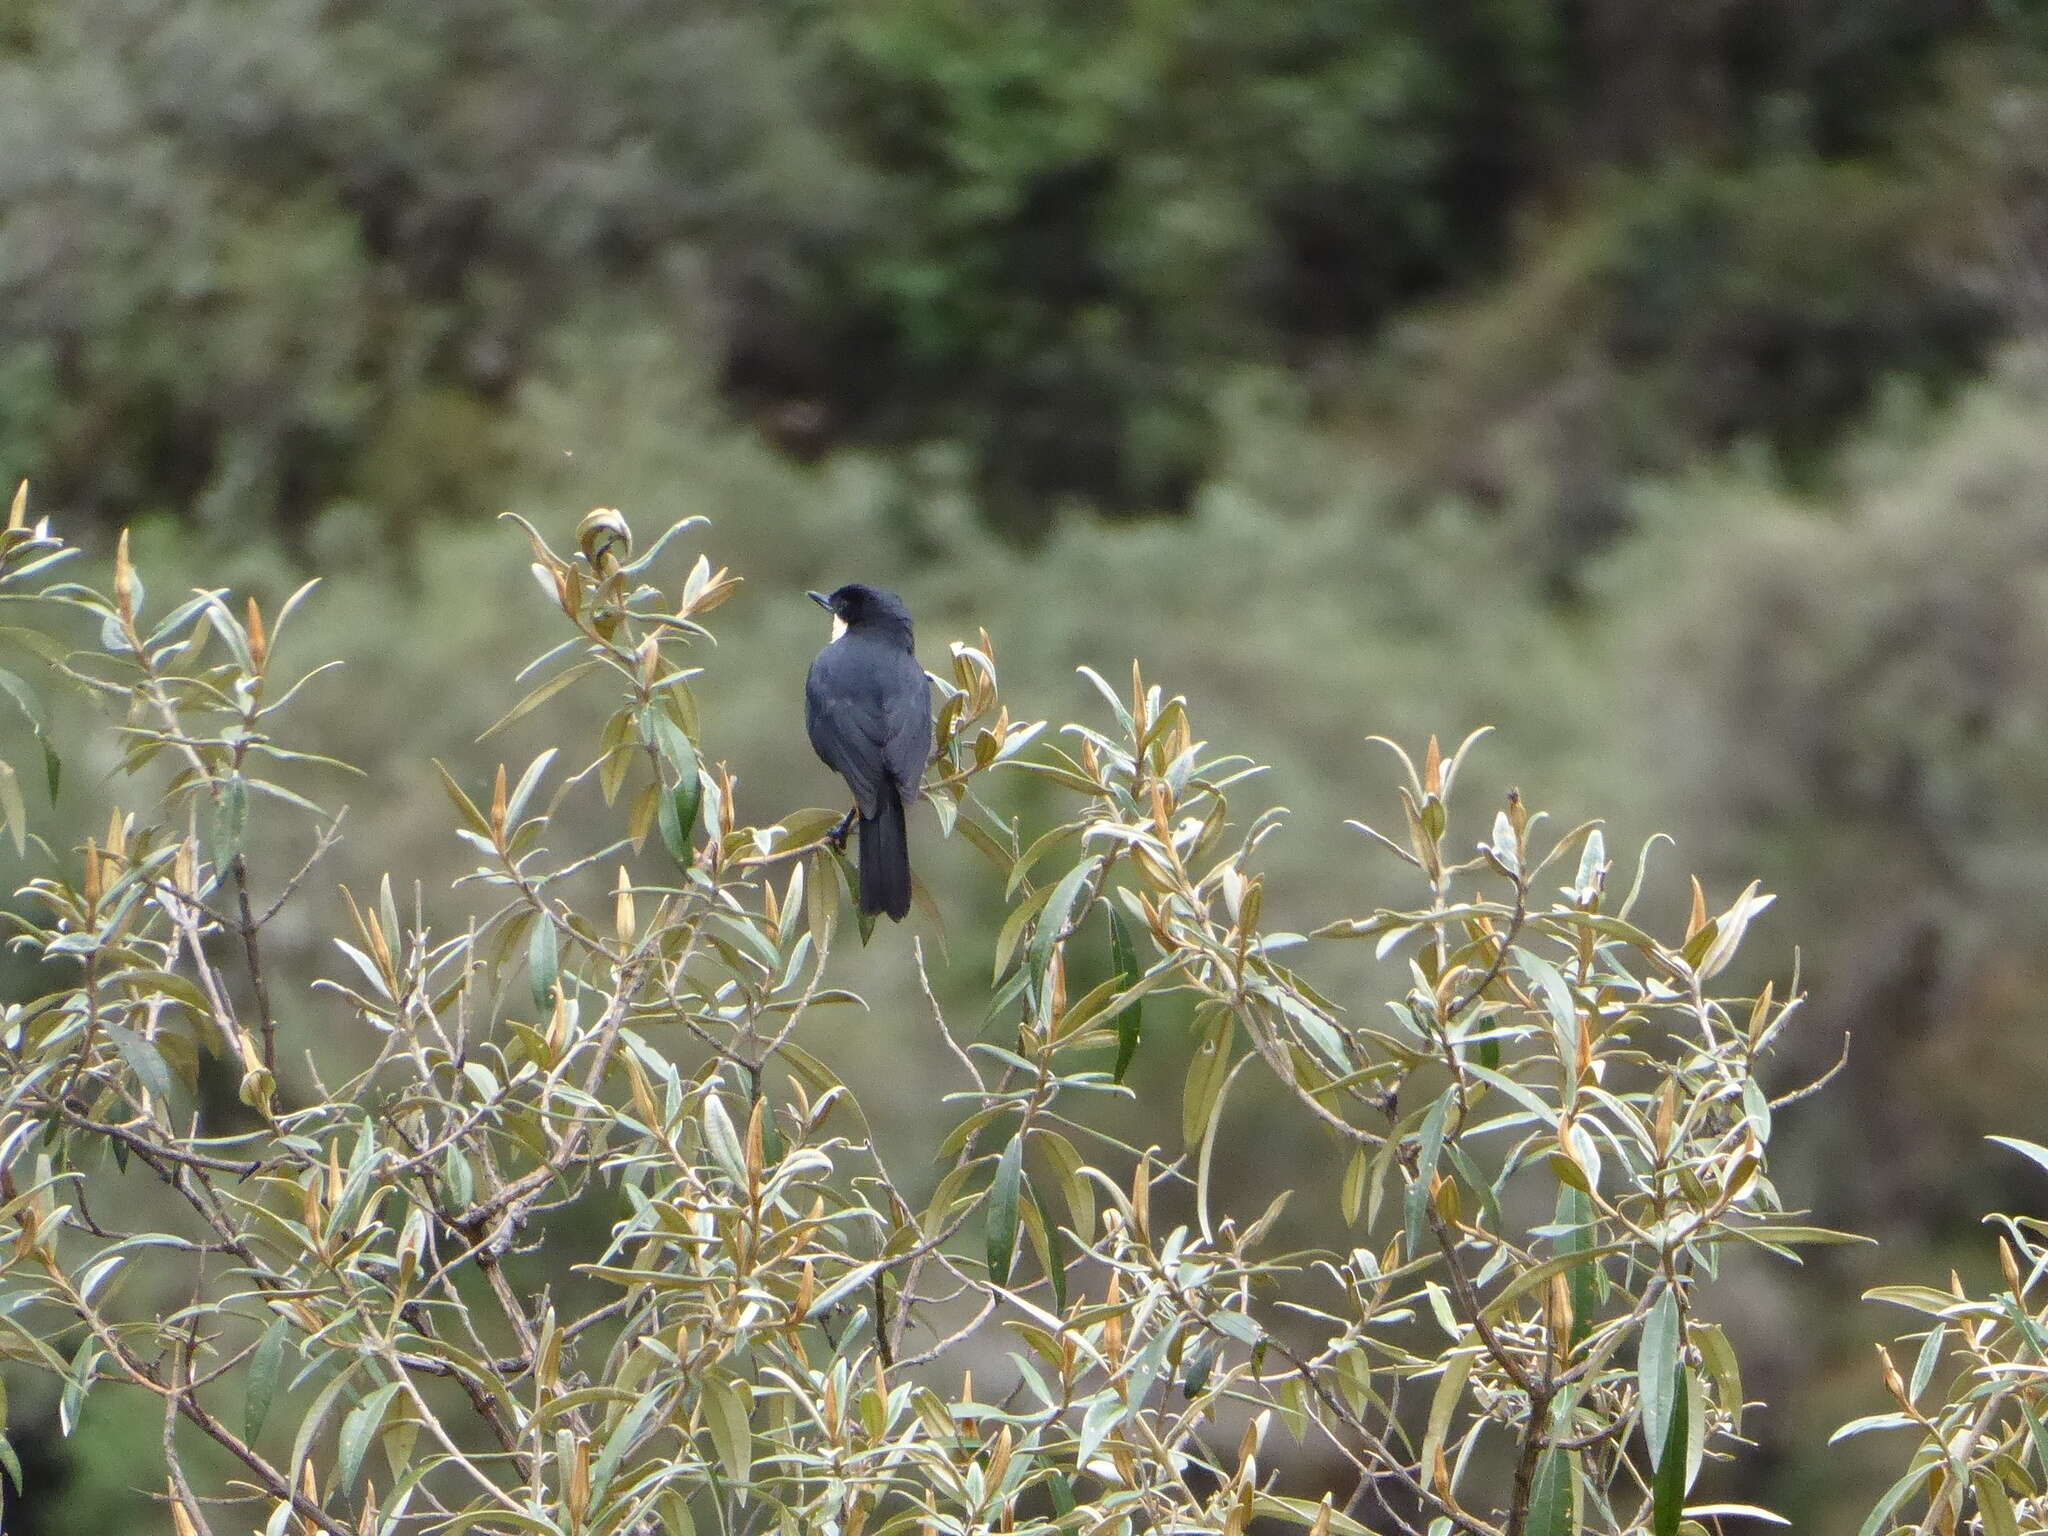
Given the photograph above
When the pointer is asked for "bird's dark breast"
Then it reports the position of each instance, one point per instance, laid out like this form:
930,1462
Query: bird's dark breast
868,709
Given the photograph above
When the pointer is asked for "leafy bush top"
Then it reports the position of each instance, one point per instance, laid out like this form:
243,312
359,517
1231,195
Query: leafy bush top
569,1224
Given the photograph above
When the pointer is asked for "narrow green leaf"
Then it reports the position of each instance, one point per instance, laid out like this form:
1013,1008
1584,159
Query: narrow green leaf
1553,1505
2037,1435
544,962
1450,1389
1028,860
49,647
1013,929
821,900
1062,1492
1778,1238
677,809
620,1442
1207,1069
1433,1126
676,814
24,698
1074,1182
465,807
314,1424
723,1141
1588,1281
78,1381
1657,1373
529,781
667,738
1724,1367
1351,1197
1002,1211
1418,1193
387,911
1130,1021
1873,1421
1930,1356
1057,1257
1059,906
1300,1512
495,1512
864,922
1994,1504
1592,860
726,1416
1244,1329
1695,1394
143,1058
1881,1513
1667,1492
13,809
230,821
539,696
1558,1001
356,1432
1504,839
1116,704
1529,1279
675,1514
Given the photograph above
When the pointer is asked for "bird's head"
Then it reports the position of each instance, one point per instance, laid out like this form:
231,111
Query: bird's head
873,610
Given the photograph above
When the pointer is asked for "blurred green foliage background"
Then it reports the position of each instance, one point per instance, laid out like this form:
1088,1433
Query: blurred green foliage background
1660,382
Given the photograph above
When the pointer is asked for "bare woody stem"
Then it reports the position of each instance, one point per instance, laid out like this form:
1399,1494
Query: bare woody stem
248,928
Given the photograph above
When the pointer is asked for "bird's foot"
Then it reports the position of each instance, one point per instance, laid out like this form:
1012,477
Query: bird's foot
837,836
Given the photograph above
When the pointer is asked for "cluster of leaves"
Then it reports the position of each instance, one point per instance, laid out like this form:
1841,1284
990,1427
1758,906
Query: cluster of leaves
1979,1461
25,552
755,1320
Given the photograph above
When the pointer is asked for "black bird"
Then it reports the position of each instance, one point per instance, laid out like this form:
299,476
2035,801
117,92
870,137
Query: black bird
869,712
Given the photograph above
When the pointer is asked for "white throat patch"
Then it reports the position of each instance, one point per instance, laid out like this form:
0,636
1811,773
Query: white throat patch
838,626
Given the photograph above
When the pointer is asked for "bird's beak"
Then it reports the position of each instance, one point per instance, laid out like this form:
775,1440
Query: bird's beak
821,600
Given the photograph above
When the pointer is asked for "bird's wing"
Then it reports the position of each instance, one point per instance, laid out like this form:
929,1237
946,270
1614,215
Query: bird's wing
846,724
907,726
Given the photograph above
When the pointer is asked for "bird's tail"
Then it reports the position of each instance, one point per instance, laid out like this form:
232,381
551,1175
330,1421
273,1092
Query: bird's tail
885,857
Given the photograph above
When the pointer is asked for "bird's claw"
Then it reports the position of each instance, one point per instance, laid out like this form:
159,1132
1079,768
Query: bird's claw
837,836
